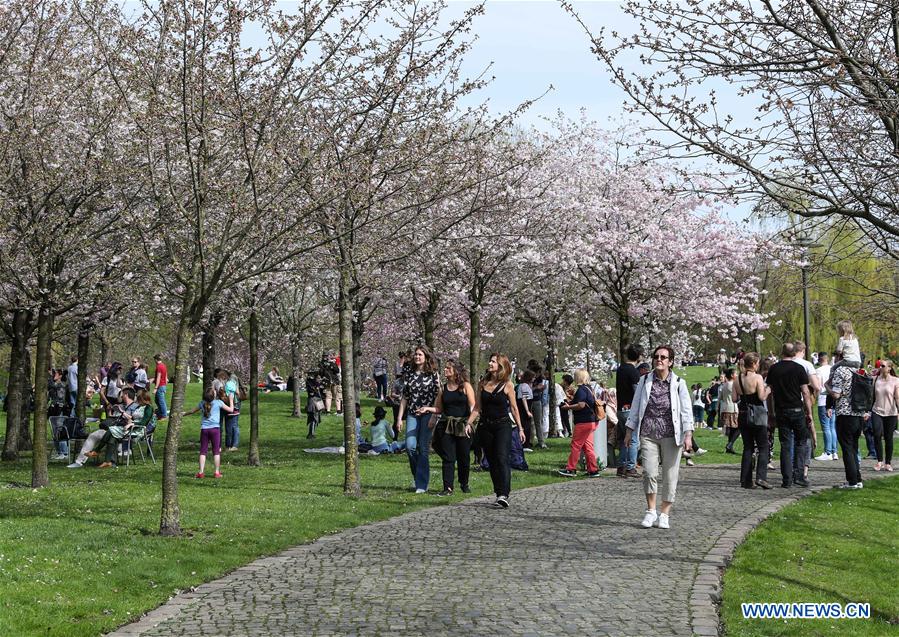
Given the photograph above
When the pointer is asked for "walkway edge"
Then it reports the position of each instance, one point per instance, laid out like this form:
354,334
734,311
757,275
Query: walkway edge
705,594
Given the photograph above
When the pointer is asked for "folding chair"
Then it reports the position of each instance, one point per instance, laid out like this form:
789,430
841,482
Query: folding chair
136,438
67,428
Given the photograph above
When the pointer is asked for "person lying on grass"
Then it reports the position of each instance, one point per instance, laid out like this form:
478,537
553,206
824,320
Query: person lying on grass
210,428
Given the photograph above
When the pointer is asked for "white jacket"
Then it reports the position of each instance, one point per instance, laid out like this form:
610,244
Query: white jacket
681,405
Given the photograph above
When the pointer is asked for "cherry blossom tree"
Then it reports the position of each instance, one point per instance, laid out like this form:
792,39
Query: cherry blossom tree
663,264
819,76
395,135
217,174
58,153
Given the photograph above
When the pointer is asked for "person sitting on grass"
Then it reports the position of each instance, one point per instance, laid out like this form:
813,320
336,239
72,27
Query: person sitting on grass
381,434
210,429
274,382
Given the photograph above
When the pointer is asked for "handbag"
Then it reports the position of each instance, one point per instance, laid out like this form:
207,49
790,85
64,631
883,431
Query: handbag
757,415
316,404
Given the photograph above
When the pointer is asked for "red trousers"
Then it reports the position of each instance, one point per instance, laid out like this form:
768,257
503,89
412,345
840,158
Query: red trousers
582,438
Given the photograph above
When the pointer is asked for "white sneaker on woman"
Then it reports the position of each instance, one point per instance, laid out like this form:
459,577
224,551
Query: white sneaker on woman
663,521
824,457
650,518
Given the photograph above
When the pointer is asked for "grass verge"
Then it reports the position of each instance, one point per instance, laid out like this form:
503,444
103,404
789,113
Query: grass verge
836,546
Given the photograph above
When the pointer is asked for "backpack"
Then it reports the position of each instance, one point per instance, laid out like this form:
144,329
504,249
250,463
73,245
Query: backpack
861,393
131,376
599,407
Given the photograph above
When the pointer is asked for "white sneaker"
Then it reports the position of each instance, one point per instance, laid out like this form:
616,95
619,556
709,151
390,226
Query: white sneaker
663,521
650,518
420,491
701,451
75,465
834,456
824,457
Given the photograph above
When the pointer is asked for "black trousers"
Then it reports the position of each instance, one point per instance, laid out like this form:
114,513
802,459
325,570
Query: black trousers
754,437
528,424
732,435
453,450
883,428
849,428
495,437
313,419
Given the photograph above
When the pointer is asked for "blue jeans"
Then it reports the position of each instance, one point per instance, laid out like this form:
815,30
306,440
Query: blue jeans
73,397
829,427
794,443
869,438
389,447
418,442
628,455
162,409
232,431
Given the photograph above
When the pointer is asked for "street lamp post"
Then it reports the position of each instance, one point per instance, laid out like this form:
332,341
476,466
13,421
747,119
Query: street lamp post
805,242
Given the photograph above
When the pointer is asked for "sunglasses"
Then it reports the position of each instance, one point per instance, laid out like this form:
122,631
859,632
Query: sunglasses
659,357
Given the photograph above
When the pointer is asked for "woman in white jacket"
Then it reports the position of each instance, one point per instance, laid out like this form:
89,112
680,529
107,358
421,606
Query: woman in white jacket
662,418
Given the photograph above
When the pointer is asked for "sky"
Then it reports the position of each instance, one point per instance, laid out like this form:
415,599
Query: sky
535,44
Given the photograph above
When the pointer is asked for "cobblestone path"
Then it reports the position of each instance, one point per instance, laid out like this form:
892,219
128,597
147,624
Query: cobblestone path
567,558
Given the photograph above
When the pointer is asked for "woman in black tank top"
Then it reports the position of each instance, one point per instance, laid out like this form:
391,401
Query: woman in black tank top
496,400
452,440
751,392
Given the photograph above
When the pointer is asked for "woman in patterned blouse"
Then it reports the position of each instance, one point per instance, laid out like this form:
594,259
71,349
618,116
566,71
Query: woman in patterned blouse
417,405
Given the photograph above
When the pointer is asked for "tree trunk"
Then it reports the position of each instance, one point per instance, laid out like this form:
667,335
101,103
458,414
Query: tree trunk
297,373
351,483
474,344
104,348
25,439
624,335
170,519
357,362
208,346
253,454
15,404
40,477
84,342
428,319
551,371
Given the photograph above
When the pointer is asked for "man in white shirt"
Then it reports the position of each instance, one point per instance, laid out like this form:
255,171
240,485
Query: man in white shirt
814,386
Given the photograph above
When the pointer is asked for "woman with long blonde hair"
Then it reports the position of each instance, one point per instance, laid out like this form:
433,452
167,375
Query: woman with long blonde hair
498,413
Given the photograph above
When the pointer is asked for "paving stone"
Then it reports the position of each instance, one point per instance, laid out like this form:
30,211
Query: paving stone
565,558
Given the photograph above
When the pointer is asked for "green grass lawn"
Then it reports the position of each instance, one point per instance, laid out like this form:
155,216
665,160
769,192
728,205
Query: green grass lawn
837,546
82,556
